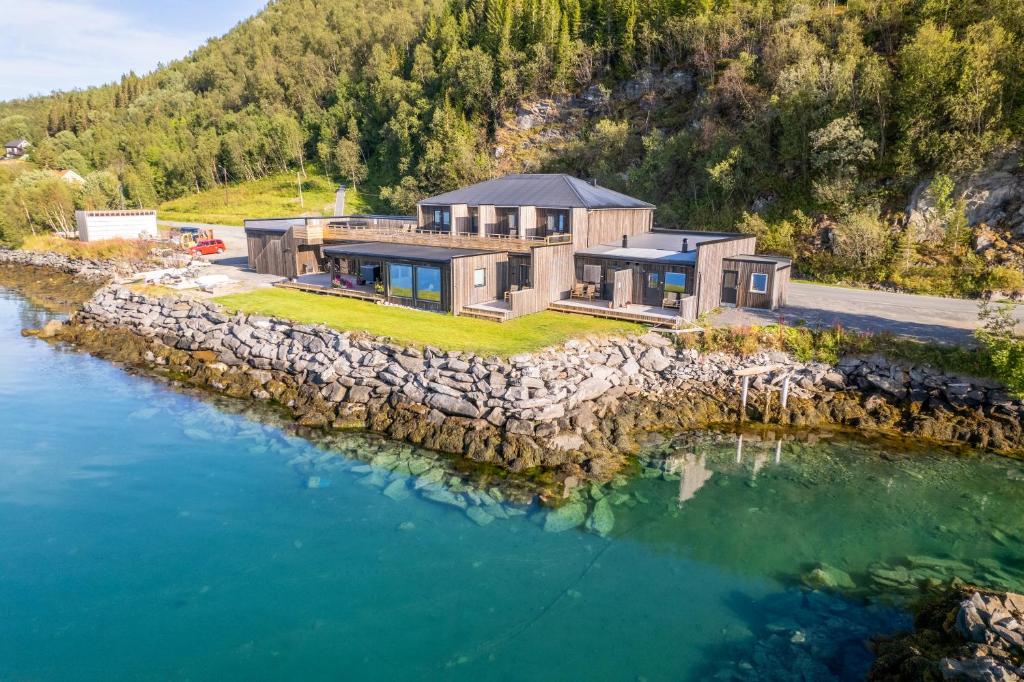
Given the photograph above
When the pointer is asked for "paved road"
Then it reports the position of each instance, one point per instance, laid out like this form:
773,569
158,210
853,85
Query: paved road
949,320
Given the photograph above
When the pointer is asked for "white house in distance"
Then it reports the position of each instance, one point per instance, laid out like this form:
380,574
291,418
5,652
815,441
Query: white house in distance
95,226
15,149
69,176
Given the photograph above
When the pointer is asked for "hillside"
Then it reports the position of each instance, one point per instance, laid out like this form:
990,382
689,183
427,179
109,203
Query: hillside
808,123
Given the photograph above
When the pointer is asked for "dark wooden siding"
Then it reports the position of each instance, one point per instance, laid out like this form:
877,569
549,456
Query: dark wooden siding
282,254
709,268
640,270
778,282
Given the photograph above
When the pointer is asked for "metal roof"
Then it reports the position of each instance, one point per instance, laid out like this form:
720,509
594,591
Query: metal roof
759,258
663,246
387,251
553,190
17,143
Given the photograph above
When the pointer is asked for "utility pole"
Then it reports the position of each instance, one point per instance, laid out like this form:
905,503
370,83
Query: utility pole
224,180
298,181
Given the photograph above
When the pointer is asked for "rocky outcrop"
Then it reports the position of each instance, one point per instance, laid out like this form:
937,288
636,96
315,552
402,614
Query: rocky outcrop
967,634
574,409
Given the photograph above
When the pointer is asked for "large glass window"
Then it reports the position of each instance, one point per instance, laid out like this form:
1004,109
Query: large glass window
428,283
759,283
652,280
401,279
675,282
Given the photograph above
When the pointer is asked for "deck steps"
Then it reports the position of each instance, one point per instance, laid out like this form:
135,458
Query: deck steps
343,293
614,314
491,315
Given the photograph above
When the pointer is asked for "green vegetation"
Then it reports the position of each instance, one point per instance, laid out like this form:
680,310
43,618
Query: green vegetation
108,249
419,328
820,115
271,197
1003,350
1000,356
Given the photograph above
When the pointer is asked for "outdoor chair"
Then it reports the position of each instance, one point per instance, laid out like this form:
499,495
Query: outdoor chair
578,290
671,301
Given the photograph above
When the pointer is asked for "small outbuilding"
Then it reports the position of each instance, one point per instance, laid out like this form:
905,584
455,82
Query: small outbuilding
99,225
15,149
750,281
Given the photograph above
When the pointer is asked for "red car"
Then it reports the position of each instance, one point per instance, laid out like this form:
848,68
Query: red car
207,247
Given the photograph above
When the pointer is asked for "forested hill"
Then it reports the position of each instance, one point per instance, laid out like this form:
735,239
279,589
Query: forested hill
770,114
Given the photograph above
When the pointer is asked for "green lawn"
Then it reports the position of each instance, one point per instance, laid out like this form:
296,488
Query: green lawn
271,197
414,327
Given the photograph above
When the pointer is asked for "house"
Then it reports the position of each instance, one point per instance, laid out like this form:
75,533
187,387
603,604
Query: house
94,226
15,149
521,244
69,176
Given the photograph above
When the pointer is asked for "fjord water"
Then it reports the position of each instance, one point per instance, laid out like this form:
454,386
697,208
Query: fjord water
146,534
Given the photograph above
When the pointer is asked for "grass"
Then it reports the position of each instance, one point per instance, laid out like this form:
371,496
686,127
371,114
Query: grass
272,197
112,249
418,328
830,344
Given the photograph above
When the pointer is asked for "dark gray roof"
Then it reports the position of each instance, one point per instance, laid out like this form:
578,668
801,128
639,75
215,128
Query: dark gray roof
763,258
16,143
538,189
662,246
386,251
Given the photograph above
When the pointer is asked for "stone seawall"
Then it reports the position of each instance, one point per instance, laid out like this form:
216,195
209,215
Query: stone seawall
575,409
97,270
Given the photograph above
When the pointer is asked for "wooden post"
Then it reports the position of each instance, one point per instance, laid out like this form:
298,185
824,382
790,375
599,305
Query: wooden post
785,391
743,396
767,405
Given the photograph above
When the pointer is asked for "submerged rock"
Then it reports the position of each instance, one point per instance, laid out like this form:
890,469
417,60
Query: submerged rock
568,516
825,577
602,519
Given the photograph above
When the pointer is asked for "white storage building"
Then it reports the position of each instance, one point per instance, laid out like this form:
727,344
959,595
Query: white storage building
94,226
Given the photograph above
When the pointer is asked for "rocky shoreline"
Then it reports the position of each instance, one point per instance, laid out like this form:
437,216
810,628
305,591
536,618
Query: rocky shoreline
964,634
575,410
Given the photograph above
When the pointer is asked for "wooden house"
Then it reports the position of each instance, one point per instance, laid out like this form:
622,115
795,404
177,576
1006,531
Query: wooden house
520,244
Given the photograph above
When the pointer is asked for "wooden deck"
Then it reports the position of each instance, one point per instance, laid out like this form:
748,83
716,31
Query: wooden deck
496,311
411,235
328,291
631,312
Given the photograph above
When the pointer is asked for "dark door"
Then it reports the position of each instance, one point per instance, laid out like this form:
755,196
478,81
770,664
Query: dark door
652,288
730,281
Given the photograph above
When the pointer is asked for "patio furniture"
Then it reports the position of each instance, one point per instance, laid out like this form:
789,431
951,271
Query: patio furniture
671,300
578,290
590,291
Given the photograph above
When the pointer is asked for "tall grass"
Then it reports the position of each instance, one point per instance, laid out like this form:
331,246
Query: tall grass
108,249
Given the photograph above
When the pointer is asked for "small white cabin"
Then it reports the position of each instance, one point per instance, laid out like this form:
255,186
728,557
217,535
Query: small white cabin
95,226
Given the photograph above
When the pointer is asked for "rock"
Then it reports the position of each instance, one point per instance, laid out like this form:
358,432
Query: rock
50,329
565,517
969,622
602,519
654,360
397,490
825,577
589,389
452,405
479,516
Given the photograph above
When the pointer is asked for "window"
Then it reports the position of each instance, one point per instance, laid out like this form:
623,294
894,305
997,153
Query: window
652,280
401,279
592,274
480,277
675,282
442,219
428,283
759,283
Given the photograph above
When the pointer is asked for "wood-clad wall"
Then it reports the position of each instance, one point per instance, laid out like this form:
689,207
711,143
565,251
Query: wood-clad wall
464,293
486,219
579,224
553,276
778,283
527,221
281,254
622,288
460,219
606,226
709,269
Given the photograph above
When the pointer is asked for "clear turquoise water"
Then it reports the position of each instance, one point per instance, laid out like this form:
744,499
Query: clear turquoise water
148,535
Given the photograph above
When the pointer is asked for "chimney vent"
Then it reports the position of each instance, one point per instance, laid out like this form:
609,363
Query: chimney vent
625,241
686,244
